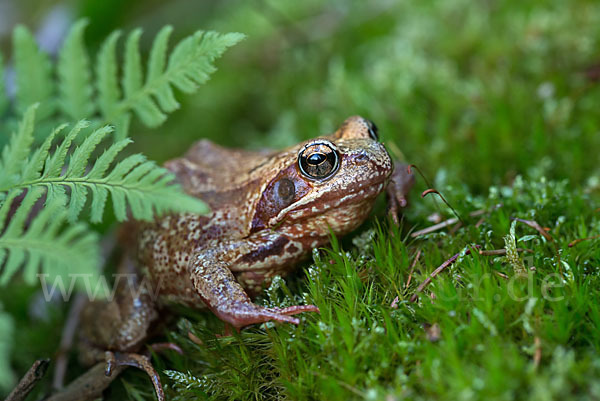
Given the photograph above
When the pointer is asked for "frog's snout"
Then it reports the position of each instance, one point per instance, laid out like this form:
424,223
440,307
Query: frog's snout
369,160
361,158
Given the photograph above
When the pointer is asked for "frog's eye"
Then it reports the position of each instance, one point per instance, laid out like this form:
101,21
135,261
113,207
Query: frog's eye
318,160
373,133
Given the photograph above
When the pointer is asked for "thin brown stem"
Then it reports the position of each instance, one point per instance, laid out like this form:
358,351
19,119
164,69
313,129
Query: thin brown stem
577,241
435,191
66,342
504,276
434,227
454,220
437,271
35,373
501,252
537,226
412,268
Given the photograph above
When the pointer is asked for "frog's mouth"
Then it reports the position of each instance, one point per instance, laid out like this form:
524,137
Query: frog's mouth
360,192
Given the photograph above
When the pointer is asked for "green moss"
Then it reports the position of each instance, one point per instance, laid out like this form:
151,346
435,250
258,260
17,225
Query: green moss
473,334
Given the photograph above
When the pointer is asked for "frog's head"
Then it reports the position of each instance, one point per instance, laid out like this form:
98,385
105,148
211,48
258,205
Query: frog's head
327,183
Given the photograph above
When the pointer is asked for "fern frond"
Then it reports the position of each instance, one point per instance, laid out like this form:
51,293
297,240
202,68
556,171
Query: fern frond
45,243
122,91
189,65
15,153
34,74
75,87
134,183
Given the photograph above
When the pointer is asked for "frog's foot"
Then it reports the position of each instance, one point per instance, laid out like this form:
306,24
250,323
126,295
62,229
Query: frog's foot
242,314
222,293
401,182
294,310
118,359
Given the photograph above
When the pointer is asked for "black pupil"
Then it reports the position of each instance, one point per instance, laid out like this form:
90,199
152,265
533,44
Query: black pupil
316,158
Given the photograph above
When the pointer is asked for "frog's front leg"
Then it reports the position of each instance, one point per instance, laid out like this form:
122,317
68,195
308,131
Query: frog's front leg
221,292
399,185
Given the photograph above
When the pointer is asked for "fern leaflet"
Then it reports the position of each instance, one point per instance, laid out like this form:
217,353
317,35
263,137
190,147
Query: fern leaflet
189,65
16,151
75,87
45,241
113,98
34,74
133,183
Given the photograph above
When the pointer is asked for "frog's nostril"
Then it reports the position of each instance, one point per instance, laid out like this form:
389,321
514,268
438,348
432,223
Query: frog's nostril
361,158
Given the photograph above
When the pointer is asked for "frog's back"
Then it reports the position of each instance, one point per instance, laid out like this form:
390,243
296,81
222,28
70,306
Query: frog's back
215,174
220,177
165,246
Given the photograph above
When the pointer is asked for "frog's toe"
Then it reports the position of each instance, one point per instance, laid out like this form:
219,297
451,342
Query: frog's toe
256,314
283,318
244,314
293,310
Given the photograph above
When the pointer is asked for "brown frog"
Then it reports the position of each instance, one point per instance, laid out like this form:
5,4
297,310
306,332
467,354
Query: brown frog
268,211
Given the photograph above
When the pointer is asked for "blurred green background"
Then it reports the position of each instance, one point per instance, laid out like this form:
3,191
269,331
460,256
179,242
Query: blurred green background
475,93
472,92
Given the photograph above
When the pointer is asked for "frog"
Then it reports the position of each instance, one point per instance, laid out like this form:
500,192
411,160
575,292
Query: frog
268,211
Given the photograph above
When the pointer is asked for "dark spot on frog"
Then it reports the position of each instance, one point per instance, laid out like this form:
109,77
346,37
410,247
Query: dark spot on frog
286,188
273,248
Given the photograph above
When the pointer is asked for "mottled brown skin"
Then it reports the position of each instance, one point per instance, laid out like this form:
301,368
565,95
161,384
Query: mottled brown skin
266,215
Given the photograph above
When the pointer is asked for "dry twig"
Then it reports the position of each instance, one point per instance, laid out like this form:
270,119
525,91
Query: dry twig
412,268
437,271
537,226
453,220
577,241
66,341
35,373
501,252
